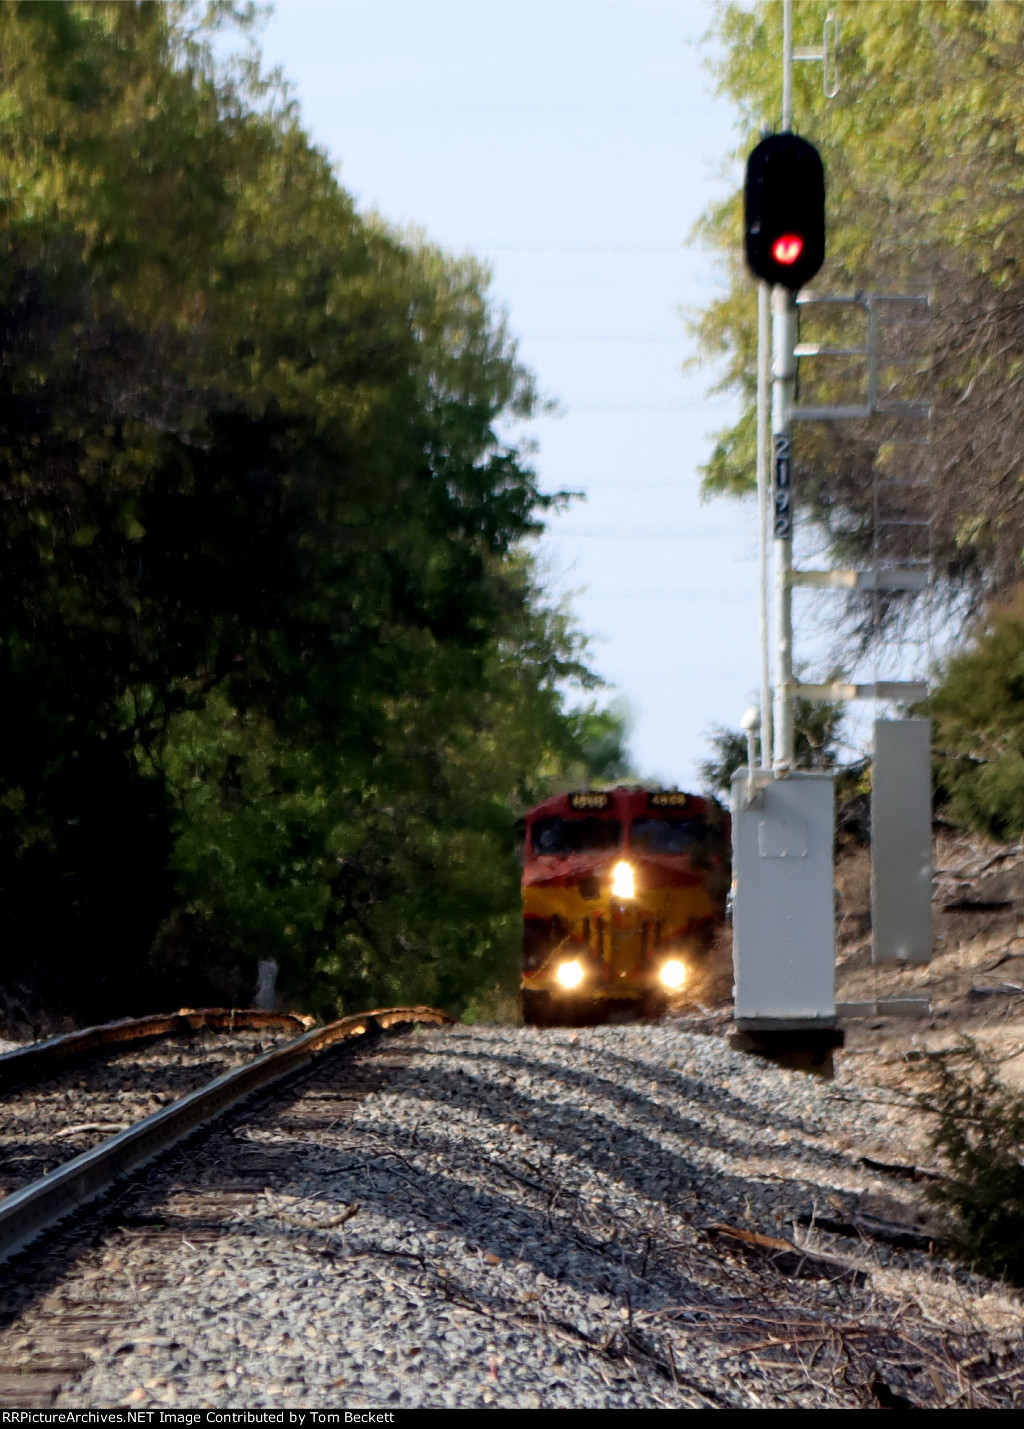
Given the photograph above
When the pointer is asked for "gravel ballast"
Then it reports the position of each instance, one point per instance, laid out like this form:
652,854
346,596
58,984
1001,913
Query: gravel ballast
525,1218
55,1118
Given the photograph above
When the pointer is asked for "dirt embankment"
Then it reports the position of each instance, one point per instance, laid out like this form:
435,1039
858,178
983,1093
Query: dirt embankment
975,981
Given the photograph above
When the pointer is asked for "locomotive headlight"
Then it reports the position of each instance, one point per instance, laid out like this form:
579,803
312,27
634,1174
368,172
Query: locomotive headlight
622,881
673,973
570,974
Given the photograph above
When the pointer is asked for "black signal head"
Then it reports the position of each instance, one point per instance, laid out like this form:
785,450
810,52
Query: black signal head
784,211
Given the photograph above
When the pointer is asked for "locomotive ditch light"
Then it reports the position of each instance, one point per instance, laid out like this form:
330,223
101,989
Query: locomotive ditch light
570,974
622,881
673,973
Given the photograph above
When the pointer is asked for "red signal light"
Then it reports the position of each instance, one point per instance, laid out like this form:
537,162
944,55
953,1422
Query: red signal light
787,248
784,211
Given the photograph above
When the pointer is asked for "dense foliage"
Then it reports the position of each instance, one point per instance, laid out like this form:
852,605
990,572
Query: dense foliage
276,671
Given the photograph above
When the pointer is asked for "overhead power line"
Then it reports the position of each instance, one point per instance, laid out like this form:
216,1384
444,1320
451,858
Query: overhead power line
619,535
690,675
601,111
601,337
731,597
681,483
676,249
570,407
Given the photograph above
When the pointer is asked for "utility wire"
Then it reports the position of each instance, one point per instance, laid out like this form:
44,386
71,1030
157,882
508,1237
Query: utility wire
682,484
628,248
570,407
614,535
461,111
600,337
719,597
672,677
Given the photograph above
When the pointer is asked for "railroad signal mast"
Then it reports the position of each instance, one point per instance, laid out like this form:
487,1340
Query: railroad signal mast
783,918
783,819
784,237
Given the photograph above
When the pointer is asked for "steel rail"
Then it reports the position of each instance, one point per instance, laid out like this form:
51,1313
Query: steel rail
40,1205
26,1064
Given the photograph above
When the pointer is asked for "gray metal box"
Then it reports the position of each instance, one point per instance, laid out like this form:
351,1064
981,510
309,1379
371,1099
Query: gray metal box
783,901
901,842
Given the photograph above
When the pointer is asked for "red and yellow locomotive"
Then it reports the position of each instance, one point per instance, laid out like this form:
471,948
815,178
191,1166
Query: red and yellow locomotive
623,890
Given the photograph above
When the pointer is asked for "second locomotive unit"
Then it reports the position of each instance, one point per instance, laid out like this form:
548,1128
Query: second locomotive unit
623,890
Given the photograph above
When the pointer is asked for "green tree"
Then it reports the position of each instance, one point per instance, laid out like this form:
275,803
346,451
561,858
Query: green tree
277,667
924,173
598,752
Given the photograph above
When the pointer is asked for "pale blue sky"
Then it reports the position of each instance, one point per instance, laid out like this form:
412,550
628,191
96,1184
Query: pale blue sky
572,144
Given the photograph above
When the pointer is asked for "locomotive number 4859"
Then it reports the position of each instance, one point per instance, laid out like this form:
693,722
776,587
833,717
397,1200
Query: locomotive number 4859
623,890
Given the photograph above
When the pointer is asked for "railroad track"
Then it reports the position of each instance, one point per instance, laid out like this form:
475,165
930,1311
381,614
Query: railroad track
63,1096
472,1216
31,1210
41,1059
35,1207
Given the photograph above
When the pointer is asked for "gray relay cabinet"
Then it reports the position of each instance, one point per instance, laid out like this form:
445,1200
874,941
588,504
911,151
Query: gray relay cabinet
783,901
901,842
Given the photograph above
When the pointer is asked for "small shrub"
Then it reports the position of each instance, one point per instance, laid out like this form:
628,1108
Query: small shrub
979,1132
978,726
817,736
498,1005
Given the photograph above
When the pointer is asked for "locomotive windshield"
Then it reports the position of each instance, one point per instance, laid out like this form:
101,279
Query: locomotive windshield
666,835
566,836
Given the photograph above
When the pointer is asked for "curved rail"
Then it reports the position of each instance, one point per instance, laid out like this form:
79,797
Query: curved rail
25,1064
36,1207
